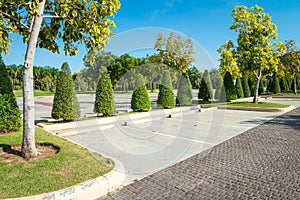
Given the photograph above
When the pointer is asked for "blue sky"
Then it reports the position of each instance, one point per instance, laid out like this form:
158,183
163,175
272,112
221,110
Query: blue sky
206,22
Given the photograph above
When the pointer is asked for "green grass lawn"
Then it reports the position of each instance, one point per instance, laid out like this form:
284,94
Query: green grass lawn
37,93
259,104
72,165
285,95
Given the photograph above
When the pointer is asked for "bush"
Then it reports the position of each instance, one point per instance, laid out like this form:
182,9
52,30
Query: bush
246,89
104,102
261,88
205,90
239,88
166,94
185,92
283,84
219,85
10,117
140,100
65,103
275,86
229,87
251,84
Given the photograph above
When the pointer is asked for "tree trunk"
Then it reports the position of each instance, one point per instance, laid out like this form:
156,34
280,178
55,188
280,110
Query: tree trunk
28,143
258,77
295,84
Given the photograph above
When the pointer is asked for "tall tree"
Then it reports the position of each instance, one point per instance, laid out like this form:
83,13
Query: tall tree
257,50
74,22
175,51
195,77
239,88
291,62
229,87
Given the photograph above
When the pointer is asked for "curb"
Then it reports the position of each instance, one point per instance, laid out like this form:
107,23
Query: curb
107,123
91,189
257,108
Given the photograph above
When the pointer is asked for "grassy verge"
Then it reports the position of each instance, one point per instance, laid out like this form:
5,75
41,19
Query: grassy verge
37,93
72,165
284,95
259,104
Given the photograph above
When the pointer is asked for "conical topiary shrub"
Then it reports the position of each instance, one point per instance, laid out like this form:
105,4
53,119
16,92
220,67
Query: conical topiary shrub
65,103
229,87
140,100
239,88
166,95
261,88
205,90
284,87
245,84
10,116
104,102
218,87
185,92
275,87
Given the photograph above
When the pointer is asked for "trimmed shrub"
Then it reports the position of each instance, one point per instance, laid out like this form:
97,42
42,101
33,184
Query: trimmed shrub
65,103
261,88
66,68
251,84
219,86
166,94
205,90
284,87
245,84
140,100
275,87
104,102
239,88
10,116
229,87
185,92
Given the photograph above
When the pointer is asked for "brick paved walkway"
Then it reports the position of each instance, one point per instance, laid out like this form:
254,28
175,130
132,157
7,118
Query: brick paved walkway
262,163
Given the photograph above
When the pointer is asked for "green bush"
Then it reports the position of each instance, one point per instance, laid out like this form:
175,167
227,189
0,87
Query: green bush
10,117
166,94
239,88
284,87
104,102
185,92
65,104
275,87
246,89
229,87
140,100
261,88
219,85
205,90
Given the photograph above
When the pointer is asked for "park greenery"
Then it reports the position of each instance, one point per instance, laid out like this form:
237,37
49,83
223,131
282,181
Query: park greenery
255,64
71,165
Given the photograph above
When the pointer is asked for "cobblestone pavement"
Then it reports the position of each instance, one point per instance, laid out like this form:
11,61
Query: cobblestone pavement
261,163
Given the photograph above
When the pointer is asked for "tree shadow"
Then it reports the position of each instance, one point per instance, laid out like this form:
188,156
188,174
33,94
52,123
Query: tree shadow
7,149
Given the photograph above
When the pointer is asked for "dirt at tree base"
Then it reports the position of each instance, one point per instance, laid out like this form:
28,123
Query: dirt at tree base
12,153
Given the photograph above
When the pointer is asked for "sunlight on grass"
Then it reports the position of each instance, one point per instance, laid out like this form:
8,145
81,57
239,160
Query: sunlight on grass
72,165
259,104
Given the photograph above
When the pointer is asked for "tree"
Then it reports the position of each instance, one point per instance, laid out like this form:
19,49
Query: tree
166,95
290,62
104,102
205,90
140,100
175,51
219,84
246,88
65,103
229,87
255,52
239,88
261,88
10,117
185,92
195,77
74,22
284,86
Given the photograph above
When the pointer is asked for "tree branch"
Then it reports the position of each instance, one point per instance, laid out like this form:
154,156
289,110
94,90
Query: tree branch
15,19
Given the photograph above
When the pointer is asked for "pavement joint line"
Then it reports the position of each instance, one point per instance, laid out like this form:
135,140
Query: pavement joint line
174,136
